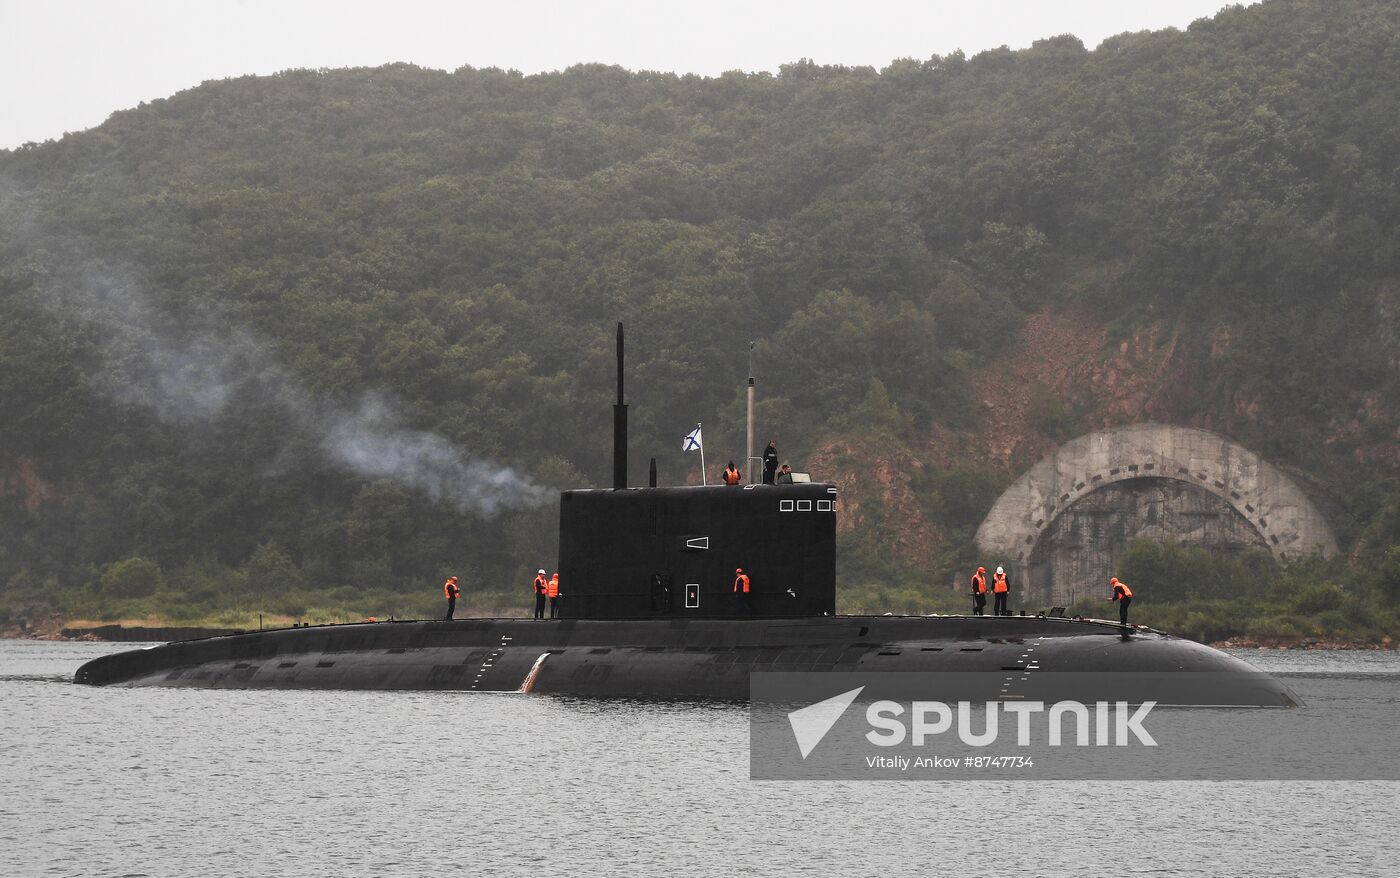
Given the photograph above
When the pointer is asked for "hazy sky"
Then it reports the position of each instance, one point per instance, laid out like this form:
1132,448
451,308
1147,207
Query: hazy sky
65,65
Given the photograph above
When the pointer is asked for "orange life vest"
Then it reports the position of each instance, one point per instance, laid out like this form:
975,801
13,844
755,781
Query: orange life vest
540,584
979,583
731,476
741,583
999,583
553,588
450,589
1121,587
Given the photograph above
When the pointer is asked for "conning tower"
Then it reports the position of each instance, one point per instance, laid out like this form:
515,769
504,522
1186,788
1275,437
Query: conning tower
673,551
647,552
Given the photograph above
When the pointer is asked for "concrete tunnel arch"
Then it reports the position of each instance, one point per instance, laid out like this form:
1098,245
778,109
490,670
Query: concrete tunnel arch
1272,504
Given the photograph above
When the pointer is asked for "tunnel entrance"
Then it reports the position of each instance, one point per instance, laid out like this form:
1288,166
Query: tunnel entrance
1077,553
1063,525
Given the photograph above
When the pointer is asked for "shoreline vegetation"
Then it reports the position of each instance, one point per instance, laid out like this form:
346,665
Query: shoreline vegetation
1239,599
1266,632
66,634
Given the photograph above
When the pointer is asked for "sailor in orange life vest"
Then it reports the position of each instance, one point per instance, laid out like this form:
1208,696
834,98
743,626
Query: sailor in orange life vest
731,474
999,590
979,592
741,591
450,591
541,586
553,591
1124,596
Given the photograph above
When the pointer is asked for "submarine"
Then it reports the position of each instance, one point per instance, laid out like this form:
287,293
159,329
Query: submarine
649,611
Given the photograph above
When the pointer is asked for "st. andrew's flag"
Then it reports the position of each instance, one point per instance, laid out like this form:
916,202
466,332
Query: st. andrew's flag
692,440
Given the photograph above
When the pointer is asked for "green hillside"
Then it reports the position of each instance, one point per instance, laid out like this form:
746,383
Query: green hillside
310,342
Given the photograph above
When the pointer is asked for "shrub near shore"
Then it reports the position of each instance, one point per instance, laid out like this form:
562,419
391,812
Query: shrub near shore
1248,598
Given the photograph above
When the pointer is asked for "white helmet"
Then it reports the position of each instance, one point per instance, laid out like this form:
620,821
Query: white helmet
999,570
542,572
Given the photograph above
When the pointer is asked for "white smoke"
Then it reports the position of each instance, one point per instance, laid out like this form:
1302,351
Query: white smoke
371,441
189,367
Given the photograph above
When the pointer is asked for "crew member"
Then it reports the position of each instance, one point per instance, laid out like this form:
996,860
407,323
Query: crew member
731,474
999,590
553,591
979,592
450,591
1124,596
785,475
741,591
770,463
541,586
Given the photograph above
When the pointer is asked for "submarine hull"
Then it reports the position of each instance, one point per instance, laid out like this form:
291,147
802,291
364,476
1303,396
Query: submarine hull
690,658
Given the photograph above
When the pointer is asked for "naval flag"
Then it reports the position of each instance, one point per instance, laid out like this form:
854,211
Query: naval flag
693,443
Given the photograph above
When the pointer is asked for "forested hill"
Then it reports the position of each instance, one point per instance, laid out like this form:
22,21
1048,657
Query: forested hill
320,338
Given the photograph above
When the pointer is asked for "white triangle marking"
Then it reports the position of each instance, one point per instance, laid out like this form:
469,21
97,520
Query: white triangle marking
810,724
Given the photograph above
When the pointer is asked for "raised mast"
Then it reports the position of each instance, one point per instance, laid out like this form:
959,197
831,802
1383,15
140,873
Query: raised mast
619,426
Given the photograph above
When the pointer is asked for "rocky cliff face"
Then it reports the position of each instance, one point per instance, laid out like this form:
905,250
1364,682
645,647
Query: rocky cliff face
1062,375
877,498
25,482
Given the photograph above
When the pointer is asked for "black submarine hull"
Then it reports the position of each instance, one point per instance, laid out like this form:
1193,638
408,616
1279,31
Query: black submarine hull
687,658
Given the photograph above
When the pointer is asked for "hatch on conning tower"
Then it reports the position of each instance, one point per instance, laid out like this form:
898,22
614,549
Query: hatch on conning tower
673,551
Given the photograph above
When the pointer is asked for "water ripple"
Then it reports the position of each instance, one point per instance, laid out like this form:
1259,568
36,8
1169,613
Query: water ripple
151,782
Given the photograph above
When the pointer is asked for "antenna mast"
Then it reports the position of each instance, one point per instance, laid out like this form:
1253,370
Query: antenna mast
619,426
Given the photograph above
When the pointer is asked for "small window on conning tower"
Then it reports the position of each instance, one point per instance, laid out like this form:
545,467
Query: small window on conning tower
804,505
784,505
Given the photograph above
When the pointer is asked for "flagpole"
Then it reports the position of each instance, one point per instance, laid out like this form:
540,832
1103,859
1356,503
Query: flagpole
702,456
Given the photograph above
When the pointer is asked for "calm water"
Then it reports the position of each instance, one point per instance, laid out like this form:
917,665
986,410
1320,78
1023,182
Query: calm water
183,782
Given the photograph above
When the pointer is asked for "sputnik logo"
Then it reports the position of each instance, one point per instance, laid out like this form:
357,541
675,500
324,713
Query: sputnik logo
810,724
